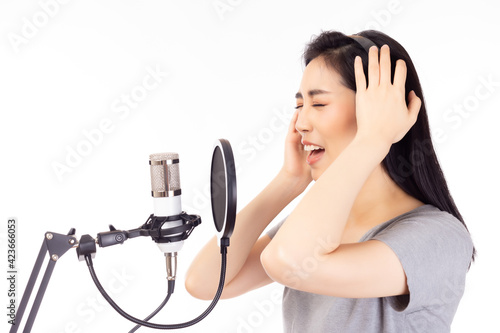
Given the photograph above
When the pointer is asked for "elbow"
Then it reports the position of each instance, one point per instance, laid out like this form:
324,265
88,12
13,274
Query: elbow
292,267
280,266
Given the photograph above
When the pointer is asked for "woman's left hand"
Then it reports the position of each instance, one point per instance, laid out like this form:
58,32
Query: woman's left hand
381,111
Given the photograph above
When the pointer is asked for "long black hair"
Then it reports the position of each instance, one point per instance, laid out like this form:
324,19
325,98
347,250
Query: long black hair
411,162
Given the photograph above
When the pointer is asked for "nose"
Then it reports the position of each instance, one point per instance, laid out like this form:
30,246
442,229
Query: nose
303,125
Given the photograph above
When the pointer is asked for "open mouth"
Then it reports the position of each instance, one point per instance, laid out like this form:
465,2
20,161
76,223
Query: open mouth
316,152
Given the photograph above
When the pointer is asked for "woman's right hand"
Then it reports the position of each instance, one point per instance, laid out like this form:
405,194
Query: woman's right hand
295,167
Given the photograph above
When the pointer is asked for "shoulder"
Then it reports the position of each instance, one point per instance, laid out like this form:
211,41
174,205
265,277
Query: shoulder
427,227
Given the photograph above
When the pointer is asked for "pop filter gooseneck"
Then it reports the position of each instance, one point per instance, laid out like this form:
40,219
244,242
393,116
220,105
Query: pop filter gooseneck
223,190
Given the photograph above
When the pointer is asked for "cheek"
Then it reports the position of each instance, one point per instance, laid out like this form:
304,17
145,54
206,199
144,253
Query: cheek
341,123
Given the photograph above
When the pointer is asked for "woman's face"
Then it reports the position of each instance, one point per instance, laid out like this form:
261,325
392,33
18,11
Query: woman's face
327,115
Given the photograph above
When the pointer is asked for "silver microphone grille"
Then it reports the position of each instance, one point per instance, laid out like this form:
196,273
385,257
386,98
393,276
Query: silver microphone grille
165,179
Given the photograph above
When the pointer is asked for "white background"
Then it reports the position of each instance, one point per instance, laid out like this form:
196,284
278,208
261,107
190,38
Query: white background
228,69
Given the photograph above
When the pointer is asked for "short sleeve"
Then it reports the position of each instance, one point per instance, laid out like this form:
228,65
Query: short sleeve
435,251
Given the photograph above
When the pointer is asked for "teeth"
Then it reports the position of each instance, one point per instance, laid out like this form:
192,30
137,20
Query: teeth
311,147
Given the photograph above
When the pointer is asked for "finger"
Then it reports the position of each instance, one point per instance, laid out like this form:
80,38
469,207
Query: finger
359,74
385,65
373,67
414,105
400,74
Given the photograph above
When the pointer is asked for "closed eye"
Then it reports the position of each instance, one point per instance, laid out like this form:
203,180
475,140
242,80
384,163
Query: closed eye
315,105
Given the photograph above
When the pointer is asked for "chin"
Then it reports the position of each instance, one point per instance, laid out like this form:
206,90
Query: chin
315,174
318,168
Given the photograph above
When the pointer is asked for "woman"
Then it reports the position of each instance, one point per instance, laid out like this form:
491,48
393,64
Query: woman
377,243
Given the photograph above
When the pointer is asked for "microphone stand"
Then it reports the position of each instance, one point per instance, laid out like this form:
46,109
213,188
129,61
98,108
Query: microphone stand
56,245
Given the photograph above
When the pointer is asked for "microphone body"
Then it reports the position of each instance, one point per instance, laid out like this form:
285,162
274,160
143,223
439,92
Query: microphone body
169,206
166,192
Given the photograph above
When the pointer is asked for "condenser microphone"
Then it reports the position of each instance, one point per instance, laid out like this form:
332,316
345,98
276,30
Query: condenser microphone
166,193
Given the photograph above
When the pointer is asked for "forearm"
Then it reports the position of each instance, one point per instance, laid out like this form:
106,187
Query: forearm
321,216
250,223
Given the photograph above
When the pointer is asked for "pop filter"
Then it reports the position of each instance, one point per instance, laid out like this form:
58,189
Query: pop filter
223,188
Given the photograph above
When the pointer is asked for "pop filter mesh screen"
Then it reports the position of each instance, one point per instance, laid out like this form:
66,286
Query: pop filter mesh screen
218,189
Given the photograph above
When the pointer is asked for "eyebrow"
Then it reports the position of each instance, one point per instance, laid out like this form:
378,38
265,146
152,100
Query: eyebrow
312,93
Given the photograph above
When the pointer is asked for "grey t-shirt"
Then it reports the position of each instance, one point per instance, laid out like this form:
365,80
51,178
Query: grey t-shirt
435,251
